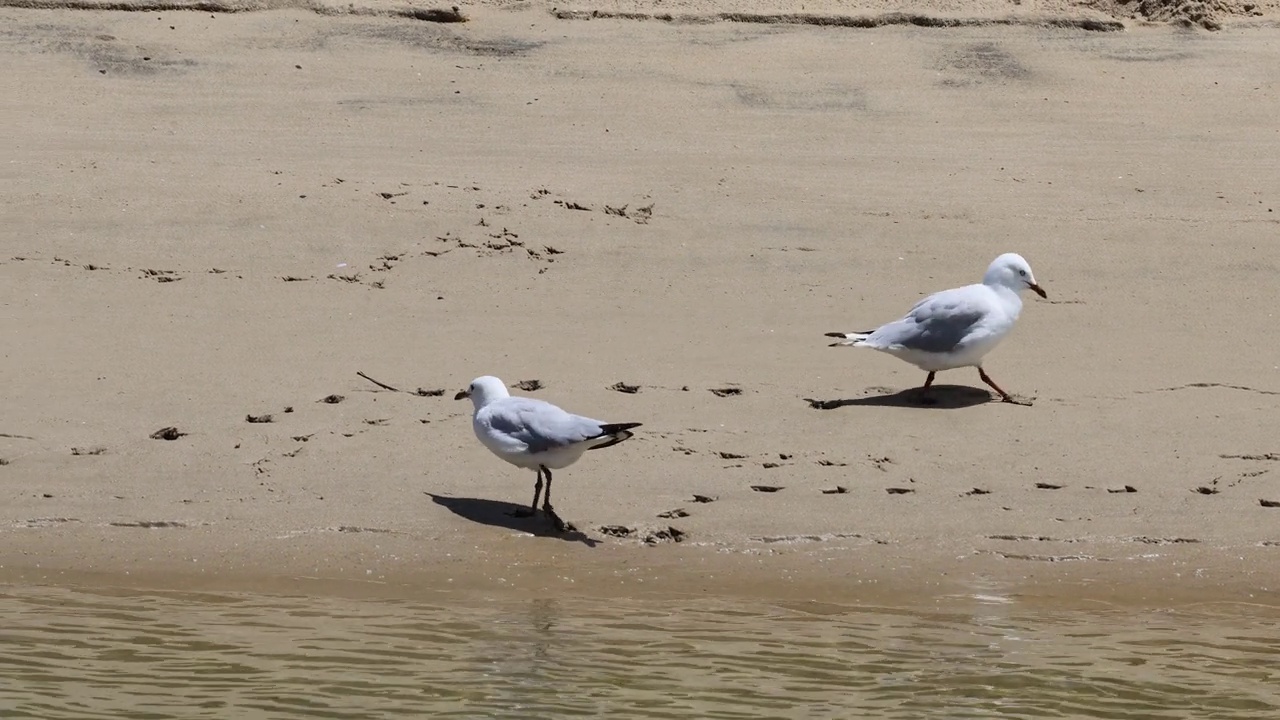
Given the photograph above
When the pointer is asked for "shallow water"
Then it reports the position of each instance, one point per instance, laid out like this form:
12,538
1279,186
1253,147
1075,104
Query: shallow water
80,653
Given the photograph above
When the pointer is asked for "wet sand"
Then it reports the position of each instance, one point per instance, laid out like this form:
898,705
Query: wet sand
218,217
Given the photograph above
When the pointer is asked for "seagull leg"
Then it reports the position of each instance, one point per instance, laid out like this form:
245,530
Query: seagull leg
1006,396
537,490
925,395
546,505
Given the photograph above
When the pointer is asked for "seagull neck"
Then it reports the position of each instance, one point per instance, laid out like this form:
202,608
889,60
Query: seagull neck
487,396
1004,292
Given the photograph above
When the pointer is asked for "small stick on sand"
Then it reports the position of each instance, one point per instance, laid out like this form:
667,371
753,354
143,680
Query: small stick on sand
382,385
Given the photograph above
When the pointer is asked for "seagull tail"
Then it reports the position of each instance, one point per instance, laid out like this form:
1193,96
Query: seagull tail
850,338
613,433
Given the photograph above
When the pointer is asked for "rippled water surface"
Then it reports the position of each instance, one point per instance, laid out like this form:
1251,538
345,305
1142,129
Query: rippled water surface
71,653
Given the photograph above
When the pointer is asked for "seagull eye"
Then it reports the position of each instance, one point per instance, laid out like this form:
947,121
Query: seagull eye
1023,273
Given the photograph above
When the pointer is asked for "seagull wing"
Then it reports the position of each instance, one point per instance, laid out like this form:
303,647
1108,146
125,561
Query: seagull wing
541,426
939,323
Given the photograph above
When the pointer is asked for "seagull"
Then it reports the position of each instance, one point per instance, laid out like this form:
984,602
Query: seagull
956,328
536,435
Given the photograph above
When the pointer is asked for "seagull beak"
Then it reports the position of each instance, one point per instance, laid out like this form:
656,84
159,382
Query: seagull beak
462,395
1038,290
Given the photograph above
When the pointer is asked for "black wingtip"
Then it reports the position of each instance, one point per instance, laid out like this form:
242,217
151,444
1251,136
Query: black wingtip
616,433
839,335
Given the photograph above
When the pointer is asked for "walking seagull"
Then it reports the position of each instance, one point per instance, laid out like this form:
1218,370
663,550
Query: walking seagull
536,435
956,328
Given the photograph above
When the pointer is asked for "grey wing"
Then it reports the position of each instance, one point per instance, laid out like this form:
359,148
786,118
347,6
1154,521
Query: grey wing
937,324
542,426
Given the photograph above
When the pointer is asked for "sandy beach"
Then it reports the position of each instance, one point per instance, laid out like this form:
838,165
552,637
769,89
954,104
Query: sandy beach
213,220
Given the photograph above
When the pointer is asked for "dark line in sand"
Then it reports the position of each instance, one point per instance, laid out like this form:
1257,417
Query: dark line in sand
846,21
1210,385
439,15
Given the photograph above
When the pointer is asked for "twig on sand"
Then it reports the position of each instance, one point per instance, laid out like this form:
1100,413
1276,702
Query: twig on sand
420,392
382,385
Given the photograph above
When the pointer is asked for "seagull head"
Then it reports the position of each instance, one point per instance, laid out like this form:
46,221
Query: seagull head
484,390
1012,271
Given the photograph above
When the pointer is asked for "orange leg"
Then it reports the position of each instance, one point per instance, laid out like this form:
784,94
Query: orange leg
1006,396
924,396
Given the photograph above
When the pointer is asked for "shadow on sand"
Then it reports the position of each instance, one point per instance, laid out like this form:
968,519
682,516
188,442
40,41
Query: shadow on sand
943,397
498,513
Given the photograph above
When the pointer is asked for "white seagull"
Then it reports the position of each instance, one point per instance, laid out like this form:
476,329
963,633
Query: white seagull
956,328
536,435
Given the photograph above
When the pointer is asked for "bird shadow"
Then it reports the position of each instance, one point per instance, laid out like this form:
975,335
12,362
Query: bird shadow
499,513
940,397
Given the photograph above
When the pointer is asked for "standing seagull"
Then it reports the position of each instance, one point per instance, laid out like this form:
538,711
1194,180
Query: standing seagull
536,435
956,328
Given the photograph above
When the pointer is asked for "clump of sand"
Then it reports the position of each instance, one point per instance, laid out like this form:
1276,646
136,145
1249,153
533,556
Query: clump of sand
1207,14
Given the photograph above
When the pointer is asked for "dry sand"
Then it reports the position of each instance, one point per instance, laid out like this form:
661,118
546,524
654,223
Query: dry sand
211,216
